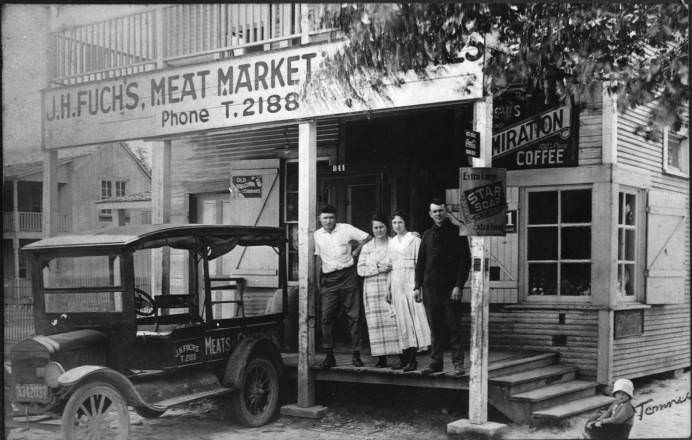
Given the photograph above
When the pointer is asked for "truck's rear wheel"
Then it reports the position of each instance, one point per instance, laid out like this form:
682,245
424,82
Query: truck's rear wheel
255,402
96,410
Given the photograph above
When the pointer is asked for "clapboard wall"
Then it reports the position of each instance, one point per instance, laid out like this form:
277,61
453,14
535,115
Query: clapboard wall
665,341
570,331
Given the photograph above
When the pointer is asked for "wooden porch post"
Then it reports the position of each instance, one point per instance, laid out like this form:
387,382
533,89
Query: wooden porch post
480,299
307,191
307,181
49,204
160,213
15,229
480,281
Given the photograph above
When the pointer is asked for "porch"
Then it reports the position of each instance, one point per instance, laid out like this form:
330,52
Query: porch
524,385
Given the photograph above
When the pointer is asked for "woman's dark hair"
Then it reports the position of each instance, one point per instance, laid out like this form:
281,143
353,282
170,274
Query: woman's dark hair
401,214
379,218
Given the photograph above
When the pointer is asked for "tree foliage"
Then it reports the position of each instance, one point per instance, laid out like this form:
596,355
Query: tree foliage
638,51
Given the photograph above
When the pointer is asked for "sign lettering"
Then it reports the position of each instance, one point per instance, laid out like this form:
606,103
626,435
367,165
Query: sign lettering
249,186
529,134
266,87
483,200
217,345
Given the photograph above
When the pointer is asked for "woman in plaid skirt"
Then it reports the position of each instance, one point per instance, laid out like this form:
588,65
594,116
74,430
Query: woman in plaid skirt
374,266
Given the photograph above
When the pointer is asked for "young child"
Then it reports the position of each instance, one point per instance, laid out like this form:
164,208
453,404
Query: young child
617,421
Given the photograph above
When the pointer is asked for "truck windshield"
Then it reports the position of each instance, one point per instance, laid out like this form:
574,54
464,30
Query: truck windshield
83,285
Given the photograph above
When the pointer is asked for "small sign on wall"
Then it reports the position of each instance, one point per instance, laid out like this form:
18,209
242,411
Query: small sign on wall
483,200
248,186
472,143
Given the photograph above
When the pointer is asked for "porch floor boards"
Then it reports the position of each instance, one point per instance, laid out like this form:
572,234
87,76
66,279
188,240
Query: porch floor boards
344,371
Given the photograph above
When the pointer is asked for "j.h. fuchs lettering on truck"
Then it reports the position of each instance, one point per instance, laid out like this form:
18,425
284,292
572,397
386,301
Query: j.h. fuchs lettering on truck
253,89
543,140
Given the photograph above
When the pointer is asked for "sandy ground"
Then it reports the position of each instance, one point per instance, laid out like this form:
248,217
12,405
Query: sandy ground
362,412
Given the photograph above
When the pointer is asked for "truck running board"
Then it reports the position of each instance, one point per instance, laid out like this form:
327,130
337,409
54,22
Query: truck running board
179,400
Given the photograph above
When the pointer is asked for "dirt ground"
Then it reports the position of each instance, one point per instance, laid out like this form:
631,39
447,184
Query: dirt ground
366,412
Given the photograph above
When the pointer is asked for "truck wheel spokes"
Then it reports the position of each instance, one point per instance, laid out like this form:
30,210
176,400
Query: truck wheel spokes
96,411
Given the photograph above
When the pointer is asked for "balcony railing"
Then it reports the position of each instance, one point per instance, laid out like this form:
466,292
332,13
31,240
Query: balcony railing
33,222
172,34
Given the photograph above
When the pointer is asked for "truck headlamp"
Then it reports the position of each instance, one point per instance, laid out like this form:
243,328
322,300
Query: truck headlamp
52,373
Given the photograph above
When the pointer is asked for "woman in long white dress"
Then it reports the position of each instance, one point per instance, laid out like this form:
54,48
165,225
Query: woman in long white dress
412,322
374,266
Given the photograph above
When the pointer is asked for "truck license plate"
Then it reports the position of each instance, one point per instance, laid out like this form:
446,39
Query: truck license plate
34,392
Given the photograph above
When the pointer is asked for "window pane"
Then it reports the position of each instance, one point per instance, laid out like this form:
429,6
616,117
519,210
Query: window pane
626,279
576,243
621,243
575,279
576,206
630,200
91,271
542,207
621,197
542,243
543,279
674,149
629,245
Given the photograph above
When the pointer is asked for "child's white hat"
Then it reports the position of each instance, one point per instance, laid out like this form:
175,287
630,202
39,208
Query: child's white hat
624,385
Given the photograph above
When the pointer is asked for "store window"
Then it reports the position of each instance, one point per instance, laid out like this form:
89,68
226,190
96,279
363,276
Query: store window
627,244
558,243
676,147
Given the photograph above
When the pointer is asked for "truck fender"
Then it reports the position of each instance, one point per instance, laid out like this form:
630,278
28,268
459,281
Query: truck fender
78,376
246,350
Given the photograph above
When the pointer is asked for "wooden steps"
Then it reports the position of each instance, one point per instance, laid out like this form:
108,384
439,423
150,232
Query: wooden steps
548,392
573,408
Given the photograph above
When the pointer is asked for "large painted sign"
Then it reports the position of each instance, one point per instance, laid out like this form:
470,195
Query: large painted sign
232,92
528,133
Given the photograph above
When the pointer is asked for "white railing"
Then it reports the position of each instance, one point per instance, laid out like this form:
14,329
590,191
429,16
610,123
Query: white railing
111,48
33,222
30,221
145,40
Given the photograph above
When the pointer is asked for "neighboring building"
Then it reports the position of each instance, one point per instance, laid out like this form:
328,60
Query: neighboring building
107,171
596,268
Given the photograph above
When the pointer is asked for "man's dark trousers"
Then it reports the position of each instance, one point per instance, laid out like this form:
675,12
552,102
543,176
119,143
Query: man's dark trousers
340,289
444,317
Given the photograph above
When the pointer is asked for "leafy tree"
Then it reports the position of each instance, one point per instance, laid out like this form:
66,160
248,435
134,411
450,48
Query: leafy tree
638,51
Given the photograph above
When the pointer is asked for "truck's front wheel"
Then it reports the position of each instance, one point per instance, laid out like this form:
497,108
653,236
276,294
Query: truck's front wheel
255,402
96,410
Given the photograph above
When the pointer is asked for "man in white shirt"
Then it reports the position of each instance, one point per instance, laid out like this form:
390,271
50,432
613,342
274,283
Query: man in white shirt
336,278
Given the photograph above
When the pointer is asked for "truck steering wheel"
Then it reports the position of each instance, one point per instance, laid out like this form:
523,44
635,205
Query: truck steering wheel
144,303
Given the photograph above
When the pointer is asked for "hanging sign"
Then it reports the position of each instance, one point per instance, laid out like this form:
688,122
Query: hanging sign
529,134
249,186
472,143
483,200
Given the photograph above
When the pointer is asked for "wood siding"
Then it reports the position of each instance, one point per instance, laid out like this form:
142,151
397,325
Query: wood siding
664,345
533,329
665,342
590,132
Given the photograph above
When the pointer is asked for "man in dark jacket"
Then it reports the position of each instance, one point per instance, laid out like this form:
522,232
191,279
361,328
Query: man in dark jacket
443,265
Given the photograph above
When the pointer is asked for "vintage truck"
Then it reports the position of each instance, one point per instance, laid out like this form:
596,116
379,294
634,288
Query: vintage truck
103,343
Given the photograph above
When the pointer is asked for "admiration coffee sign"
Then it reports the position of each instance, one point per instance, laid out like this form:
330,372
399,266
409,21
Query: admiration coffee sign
232,92
528,133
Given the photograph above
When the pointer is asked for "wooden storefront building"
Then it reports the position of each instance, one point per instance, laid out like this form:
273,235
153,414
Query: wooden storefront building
595,264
